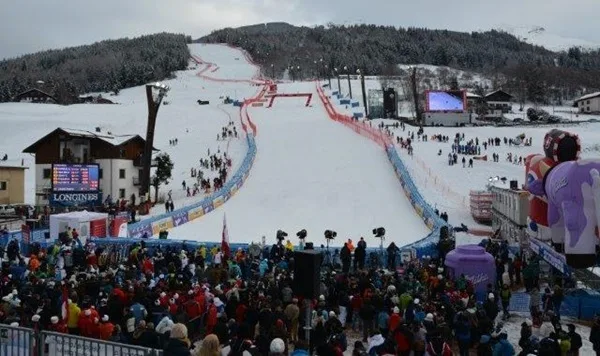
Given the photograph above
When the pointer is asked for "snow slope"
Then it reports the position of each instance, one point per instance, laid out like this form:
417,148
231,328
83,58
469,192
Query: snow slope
447,187
311,173
25,123
539,36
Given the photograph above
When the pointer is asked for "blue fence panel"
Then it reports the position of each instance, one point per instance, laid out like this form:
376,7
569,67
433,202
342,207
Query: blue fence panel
146,226
355,104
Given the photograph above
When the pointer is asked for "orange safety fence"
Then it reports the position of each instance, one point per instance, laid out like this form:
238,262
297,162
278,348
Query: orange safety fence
359,127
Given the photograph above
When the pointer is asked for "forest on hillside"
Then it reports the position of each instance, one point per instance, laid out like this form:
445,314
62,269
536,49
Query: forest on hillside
376,50
106,66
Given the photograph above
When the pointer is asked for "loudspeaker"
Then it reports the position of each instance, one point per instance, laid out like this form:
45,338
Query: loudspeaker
307,273
514,185
390,103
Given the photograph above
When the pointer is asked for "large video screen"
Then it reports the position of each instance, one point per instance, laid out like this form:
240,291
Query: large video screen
75,177
450,100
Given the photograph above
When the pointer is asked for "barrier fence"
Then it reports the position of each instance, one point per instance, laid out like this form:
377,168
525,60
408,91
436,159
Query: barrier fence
18,341
428,244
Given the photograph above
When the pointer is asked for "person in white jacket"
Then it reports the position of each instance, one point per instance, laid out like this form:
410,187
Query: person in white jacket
165,325
546,328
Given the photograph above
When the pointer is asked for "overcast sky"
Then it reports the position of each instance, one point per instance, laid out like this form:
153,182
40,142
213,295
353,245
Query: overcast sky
33,25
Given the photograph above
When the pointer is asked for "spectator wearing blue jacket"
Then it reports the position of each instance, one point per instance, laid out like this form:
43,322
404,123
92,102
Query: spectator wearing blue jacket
503,347
139,312
263,267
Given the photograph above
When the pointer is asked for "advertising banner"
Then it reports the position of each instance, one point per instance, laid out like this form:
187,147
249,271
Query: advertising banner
217,202
195,213
25,233
98,228
75,198
141,229
180,218
162,224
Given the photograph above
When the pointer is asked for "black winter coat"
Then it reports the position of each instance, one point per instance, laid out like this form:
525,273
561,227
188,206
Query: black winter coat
177,347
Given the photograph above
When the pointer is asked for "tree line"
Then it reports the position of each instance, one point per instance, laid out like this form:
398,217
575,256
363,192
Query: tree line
534,72
106,66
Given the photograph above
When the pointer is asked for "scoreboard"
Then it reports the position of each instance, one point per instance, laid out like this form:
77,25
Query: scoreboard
75,177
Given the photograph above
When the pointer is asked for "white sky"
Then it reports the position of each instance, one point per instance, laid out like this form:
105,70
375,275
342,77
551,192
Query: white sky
33,25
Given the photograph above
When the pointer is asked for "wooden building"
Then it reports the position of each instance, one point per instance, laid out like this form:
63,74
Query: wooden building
12,183
35,96
119,158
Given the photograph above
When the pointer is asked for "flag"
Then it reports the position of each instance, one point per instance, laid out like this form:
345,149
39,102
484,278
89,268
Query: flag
225,239
65,304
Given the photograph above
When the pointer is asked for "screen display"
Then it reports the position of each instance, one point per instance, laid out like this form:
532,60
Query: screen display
75,177
452,100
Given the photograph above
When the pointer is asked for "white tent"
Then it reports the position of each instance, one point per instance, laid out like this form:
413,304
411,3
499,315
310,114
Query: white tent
83,221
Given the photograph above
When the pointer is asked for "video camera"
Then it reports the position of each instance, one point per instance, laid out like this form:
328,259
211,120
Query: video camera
379,232
330,234
281,235
301,234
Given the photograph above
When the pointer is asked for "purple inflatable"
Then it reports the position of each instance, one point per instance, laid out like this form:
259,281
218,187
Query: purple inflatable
573,192
477,265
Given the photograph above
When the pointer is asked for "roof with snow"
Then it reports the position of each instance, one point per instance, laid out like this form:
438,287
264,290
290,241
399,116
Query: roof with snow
114,140
589,96
12,164
473,95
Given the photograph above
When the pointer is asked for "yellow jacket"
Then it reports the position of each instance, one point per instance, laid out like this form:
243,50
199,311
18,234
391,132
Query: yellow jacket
74,312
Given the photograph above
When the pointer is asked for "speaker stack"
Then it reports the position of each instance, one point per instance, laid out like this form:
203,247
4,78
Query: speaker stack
307,273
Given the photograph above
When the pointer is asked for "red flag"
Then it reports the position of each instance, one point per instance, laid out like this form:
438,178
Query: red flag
225,241
65,304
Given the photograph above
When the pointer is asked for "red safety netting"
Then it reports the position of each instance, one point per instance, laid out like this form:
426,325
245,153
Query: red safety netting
359,127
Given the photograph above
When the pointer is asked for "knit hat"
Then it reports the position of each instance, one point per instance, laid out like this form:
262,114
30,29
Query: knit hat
429,317
54,320
416,301
332,314
396,310
163,294
322,298
105,318
35,318
179,331
157,302
277,346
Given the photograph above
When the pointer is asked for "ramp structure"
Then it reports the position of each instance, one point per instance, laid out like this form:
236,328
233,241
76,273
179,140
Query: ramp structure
308,97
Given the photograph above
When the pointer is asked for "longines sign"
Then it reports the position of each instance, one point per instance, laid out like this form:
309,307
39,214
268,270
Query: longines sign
75,198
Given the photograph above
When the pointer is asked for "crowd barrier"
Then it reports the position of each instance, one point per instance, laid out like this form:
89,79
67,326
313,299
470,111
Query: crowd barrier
426,246
19,341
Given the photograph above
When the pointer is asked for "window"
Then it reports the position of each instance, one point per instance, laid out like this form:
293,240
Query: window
121,174
121,193
587,102
100,173
122,153
3,185
47,173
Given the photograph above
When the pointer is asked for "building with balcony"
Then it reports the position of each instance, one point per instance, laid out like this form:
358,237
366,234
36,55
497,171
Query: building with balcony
119,158
510,208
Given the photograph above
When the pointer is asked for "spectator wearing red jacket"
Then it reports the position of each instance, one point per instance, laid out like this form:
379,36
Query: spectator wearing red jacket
86,323
105,329
211,318
58,325
394,320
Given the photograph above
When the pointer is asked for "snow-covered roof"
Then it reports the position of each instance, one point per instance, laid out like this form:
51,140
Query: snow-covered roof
588,96
473,95
83,133
12,164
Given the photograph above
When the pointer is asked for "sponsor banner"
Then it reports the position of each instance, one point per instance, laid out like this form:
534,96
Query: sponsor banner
180,218
208,207
75,198
234,190
141,229
195,213
162,224
217,202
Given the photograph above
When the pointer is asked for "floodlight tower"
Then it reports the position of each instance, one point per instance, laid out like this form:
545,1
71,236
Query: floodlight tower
349,85
155,93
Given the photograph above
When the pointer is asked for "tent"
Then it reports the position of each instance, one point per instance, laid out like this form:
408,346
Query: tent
86,223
